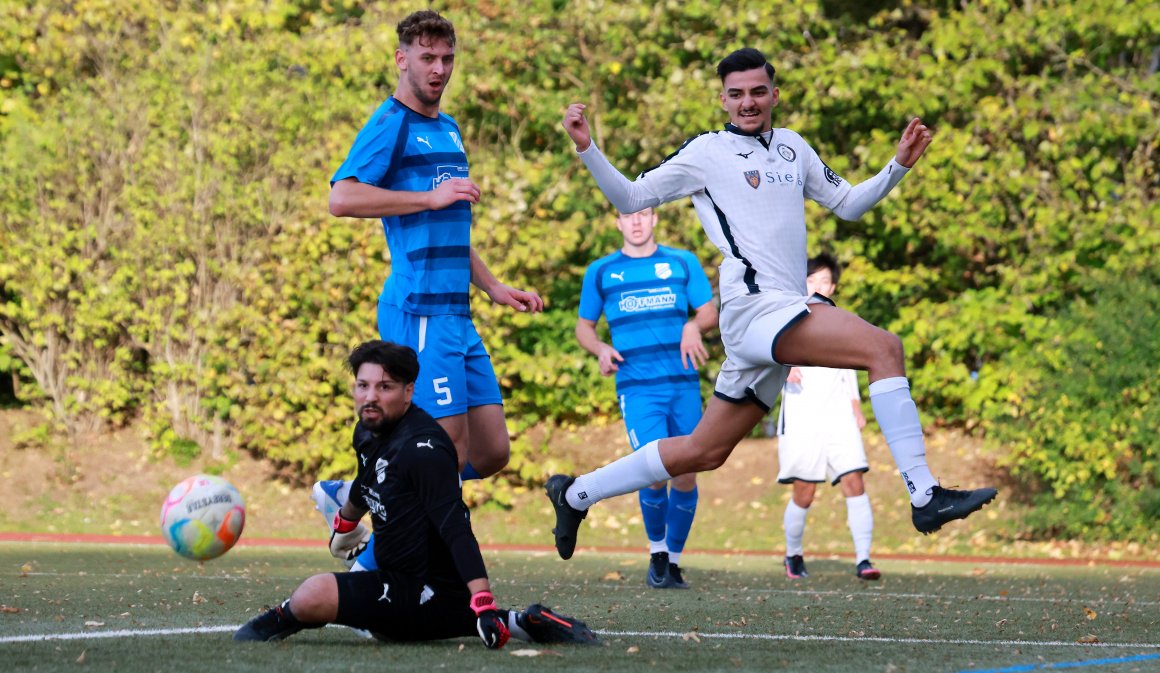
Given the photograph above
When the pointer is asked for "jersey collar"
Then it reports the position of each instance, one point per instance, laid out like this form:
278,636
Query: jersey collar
760,135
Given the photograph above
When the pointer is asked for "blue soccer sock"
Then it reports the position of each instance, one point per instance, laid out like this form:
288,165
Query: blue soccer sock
654,503
682,509
469,473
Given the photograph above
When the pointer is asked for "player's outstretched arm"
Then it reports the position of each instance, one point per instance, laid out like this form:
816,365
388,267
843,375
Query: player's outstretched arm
624,195
915,139
865,195
528,301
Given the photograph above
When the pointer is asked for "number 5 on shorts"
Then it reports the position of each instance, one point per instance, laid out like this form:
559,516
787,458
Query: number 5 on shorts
442,389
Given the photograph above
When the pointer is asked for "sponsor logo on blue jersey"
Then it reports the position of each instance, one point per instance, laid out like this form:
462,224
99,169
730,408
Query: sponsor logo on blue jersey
657,299
445,172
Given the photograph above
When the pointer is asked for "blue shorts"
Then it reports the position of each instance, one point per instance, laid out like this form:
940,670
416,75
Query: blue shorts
657,413
455,370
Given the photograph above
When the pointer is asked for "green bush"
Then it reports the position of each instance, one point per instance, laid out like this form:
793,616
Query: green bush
1080,417
166,255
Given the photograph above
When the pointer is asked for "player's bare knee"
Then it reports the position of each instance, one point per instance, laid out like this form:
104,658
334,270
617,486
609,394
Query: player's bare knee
316,599
887,353
685,482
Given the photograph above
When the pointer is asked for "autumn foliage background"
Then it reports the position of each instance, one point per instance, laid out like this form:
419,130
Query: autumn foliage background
166,256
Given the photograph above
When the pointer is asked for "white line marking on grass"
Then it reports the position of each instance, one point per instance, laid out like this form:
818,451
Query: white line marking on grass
120,633
872,639
198,630
870,593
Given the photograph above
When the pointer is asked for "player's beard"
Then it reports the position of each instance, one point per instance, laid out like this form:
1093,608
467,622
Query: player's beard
420,91
378,422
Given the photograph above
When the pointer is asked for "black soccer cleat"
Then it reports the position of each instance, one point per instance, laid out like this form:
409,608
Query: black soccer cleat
568,518
676,581
795,567
273,624
658,570
866,571
545,626
946,505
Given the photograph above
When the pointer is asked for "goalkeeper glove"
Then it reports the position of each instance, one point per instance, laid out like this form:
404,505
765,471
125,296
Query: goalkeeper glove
491,626
348,538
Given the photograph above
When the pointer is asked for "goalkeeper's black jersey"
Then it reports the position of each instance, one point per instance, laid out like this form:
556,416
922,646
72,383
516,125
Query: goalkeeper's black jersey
408,478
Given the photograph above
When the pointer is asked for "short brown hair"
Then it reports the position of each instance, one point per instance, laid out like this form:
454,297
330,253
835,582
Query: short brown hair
425,25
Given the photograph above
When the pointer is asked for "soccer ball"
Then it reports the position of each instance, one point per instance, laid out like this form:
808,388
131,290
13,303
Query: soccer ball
203,517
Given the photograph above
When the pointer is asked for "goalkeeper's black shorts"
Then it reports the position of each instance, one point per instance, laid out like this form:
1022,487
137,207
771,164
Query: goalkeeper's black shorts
396,606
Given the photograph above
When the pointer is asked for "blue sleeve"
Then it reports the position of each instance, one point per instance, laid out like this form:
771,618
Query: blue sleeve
591,303
699,290
374,150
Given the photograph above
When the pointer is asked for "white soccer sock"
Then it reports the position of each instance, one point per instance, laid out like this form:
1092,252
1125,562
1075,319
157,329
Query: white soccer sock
795,528
861,522
629,474
655,546
898,418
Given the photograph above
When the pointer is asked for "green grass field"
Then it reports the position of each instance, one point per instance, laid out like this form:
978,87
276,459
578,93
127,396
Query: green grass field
140,608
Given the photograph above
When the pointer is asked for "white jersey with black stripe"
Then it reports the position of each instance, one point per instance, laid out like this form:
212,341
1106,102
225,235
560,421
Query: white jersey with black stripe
749,193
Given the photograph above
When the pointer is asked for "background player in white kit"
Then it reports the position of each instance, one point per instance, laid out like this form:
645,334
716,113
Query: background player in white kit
748,184
820,439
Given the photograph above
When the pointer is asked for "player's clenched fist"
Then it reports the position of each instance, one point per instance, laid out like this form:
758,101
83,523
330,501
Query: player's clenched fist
576,124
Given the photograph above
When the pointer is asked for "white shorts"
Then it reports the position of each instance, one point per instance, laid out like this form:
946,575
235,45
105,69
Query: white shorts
827,454
750,327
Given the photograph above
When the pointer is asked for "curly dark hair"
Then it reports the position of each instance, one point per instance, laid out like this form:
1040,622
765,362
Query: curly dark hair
425,25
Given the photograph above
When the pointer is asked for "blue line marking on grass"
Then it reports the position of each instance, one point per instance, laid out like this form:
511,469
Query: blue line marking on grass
1064,664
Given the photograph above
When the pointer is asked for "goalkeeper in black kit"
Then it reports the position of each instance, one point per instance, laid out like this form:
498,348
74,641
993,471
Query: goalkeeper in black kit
431,582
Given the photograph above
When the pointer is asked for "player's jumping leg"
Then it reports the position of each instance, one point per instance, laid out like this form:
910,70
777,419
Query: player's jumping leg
721,428
832,337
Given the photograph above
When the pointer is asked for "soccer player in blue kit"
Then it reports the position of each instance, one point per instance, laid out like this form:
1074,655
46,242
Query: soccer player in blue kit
748,183
408,166
645,292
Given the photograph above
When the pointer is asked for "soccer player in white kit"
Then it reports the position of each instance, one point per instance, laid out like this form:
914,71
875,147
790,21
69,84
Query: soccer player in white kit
820,439
748,184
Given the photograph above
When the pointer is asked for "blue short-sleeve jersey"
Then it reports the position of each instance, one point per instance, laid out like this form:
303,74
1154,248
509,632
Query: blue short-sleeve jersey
400,149
646,301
